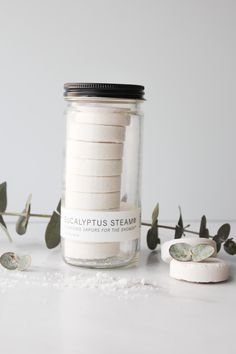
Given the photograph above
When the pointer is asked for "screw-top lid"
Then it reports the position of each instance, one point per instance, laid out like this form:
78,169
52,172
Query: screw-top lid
85,89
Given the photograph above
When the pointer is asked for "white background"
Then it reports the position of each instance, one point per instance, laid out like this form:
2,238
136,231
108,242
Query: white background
184,54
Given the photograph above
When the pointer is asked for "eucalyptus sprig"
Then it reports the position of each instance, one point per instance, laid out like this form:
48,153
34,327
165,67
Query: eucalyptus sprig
221,237
52,233
53,238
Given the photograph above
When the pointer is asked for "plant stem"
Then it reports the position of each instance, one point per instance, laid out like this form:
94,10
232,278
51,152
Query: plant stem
171,228
12,214
40,215
146,224
23,214
192,232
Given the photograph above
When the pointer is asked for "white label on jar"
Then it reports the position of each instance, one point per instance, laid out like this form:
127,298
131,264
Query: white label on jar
100,226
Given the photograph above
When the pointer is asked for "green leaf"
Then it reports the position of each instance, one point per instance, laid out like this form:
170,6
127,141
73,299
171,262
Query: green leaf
2,222
203,232
179,229
223,233
9,260
181,252
4,228
58,209
218,245
230,247
3,206
52,234
22,222
152,237
3,197
155,214
201,252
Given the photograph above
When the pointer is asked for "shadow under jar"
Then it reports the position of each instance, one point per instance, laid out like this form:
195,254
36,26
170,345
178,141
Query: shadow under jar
100,214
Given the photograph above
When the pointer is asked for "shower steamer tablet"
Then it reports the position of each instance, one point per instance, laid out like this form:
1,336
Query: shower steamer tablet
100,116
97,168
91,184
96,133
94,151
211,270
100,204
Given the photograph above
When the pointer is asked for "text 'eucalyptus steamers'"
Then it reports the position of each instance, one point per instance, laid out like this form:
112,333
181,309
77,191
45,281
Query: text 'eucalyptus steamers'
100,217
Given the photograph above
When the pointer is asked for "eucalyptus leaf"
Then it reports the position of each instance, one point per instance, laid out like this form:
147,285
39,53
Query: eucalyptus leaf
152,237
3,197
201,252
230,247
181,252
52,234
24,262
4,228
22,222
58,209
155,214
179,229
178,232
218,244
221,236
9,260
203,232
222,233
2,222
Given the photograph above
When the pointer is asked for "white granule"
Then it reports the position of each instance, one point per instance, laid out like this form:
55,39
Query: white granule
98,281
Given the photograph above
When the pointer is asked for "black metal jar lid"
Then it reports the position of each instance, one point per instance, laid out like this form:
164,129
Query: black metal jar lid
88,89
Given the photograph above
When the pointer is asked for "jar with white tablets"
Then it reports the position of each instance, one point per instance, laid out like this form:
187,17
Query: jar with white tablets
101,211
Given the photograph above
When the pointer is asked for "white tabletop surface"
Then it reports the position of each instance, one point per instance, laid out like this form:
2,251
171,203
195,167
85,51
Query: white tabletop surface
40,315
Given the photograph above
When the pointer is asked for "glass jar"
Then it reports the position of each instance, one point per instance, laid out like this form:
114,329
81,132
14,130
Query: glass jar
101,209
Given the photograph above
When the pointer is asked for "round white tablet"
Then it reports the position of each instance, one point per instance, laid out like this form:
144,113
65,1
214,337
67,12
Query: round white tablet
88,167
95,132
92,184
88,150
193,241
92,201
98,116
211,270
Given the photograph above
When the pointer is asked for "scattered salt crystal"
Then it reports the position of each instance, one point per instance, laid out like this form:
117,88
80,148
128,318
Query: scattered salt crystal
100,281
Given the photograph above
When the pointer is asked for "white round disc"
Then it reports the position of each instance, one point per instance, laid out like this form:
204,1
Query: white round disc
211,270
99,116
96,133
88,167
89,150
92,184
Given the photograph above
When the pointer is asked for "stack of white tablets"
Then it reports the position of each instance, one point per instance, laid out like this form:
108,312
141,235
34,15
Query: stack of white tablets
94,155
94,160
211,270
